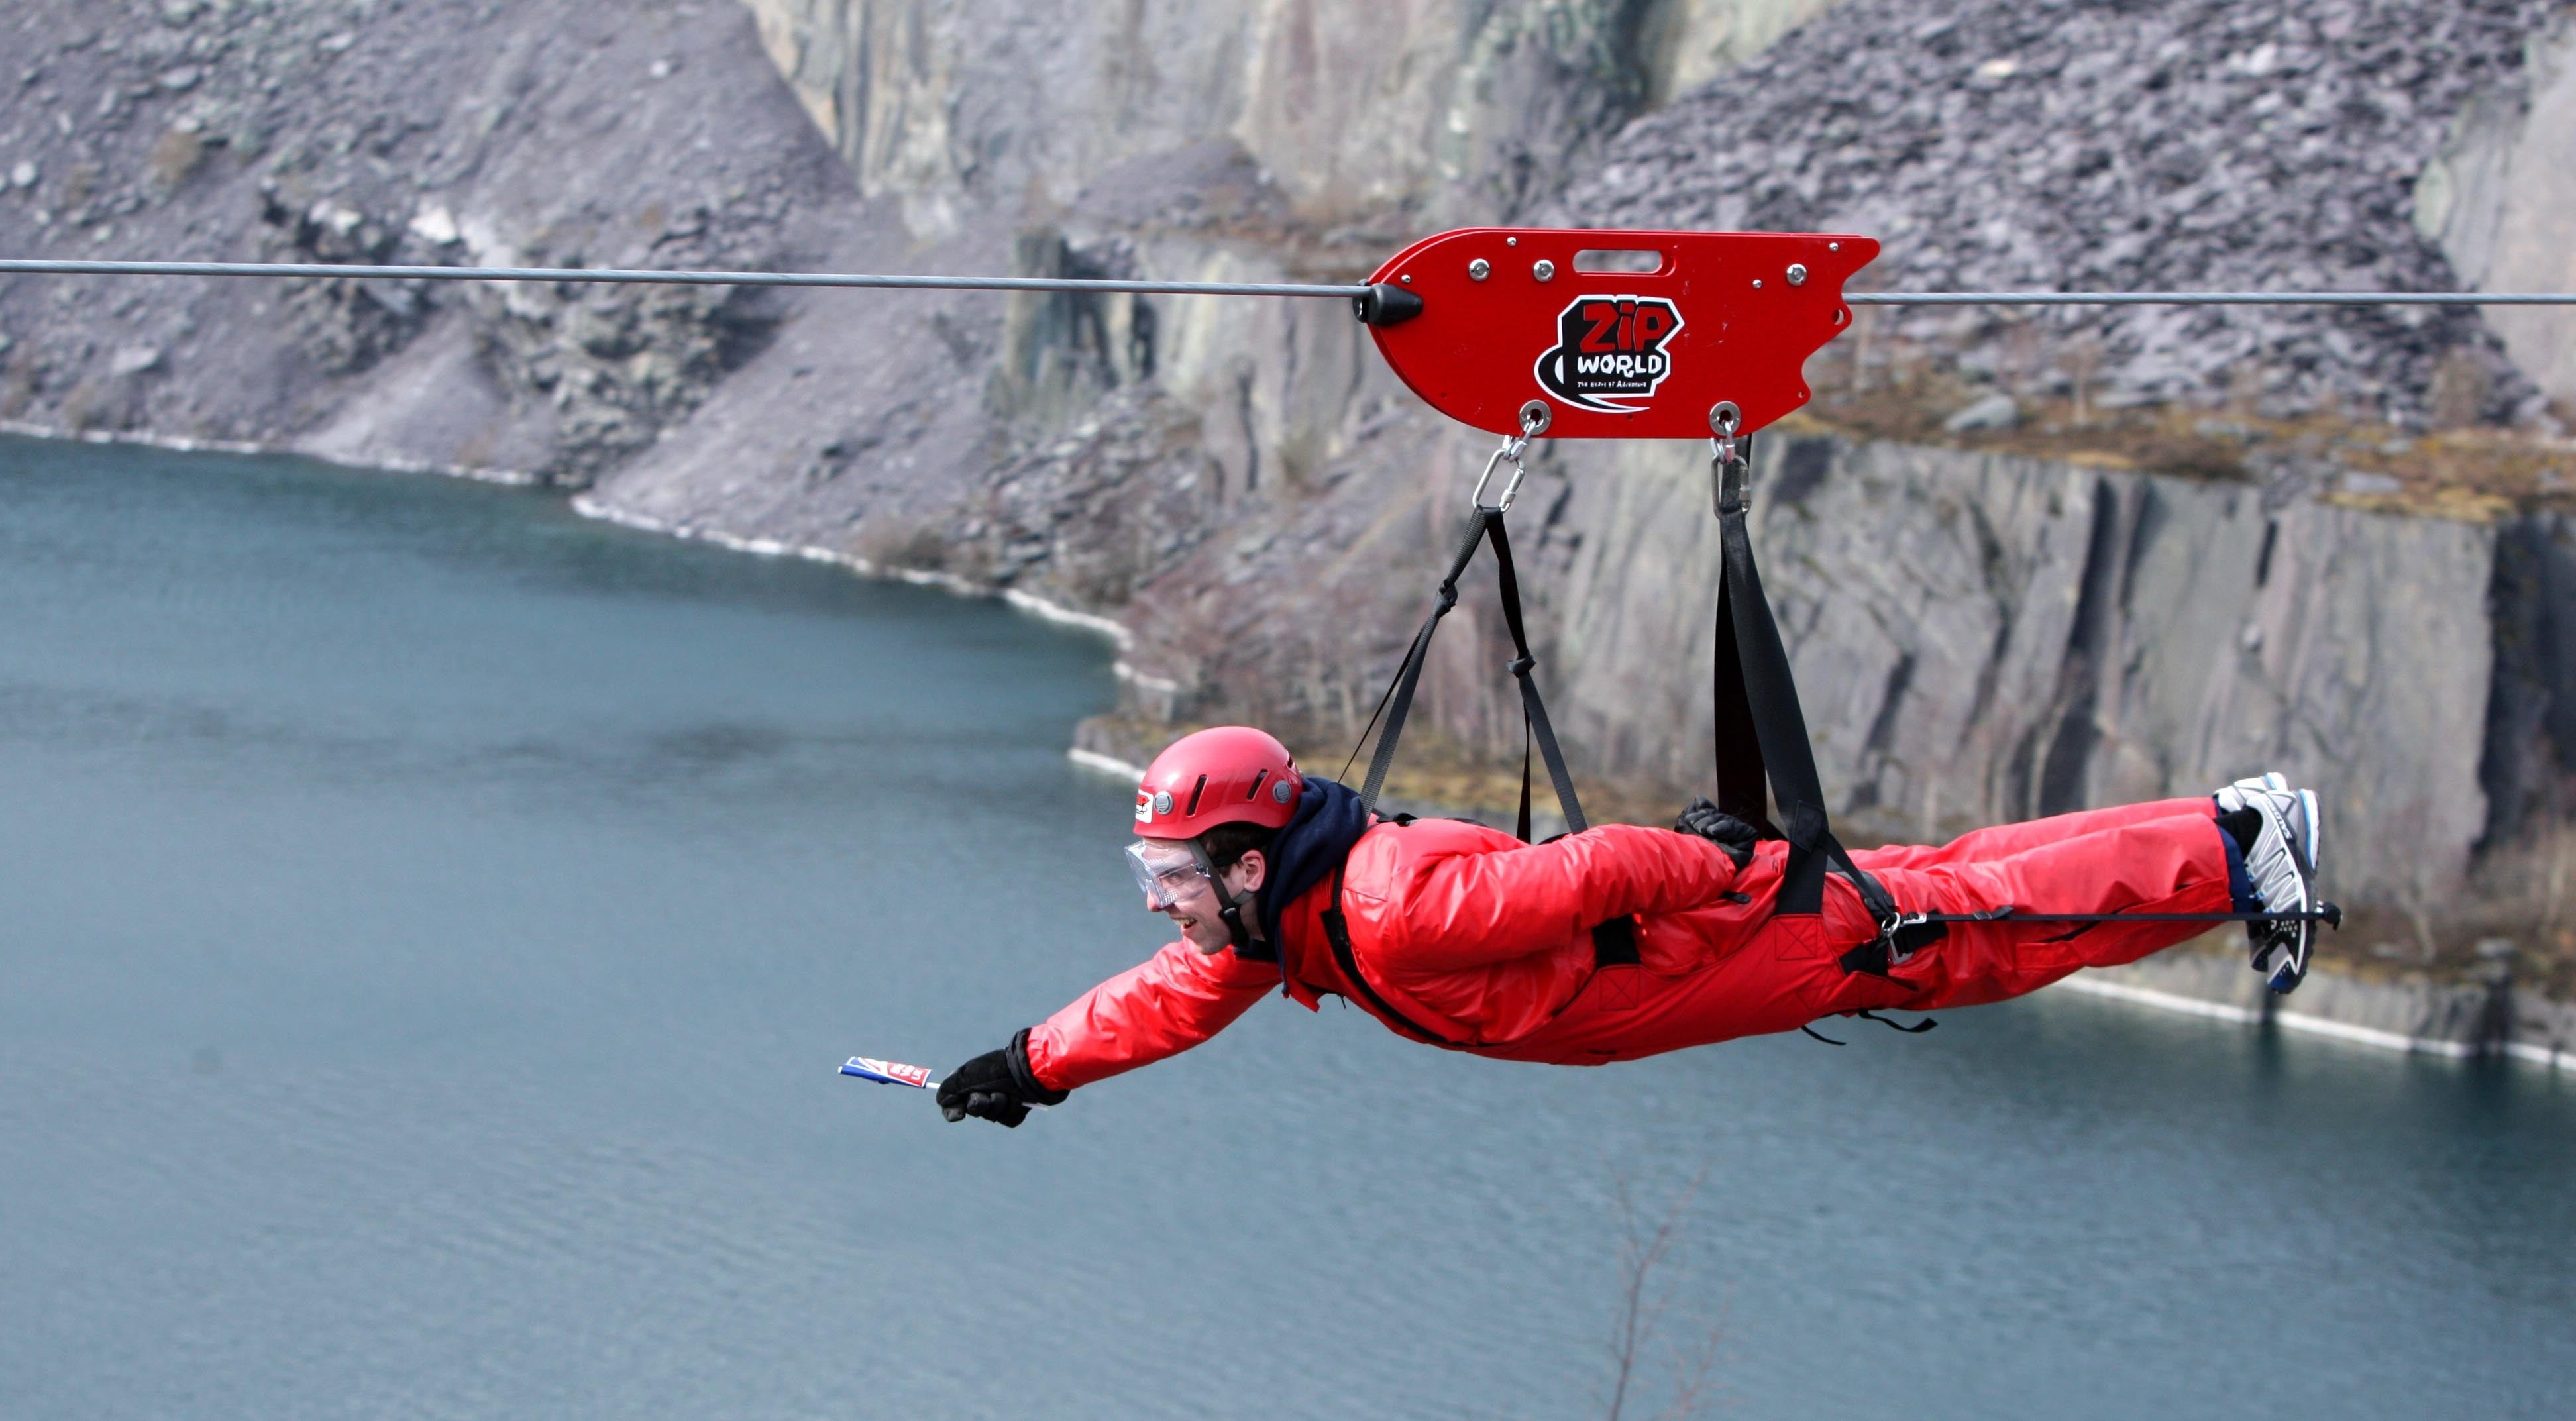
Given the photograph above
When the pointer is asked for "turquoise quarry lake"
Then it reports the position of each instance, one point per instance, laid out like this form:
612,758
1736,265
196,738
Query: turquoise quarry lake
432,922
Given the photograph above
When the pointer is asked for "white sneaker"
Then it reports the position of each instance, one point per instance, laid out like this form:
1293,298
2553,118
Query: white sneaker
2244,792
2283,866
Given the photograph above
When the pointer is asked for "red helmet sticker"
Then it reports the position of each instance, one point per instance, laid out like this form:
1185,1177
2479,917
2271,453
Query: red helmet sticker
1609,354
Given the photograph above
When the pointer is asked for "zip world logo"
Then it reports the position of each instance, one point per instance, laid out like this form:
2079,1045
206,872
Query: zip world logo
1609,353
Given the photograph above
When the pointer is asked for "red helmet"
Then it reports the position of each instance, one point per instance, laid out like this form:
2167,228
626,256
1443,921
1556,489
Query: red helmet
1229,774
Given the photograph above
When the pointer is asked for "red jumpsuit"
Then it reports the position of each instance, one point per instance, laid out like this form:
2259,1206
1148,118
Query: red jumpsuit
1485,942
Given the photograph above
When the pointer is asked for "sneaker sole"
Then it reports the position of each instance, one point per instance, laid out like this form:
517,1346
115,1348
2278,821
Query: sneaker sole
2298,938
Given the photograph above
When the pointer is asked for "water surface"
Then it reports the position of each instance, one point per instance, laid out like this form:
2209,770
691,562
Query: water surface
433,921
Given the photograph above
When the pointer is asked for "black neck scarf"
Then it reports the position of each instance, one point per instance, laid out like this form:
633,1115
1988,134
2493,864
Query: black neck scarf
1329,819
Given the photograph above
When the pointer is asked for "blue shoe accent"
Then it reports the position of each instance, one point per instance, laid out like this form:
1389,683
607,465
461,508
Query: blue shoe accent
2240,884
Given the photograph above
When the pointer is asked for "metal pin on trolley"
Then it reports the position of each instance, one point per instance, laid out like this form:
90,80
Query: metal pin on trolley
1730,460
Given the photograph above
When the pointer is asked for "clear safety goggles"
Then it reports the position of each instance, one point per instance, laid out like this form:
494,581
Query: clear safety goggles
1168,872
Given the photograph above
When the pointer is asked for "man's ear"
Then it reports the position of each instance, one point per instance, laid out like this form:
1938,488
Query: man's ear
1249,872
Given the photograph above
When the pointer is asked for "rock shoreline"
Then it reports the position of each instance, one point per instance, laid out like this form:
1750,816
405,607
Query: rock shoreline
184,444
1114,632
2418,1016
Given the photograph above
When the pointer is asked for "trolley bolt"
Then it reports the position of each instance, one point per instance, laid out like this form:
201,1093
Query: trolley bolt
1757,283
1406,280
1833,246
1479,269
1511,241
1545,270
1797,274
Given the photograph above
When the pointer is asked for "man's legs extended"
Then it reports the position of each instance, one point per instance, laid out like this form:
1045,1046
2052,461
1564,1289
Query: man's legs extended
1762,974
2166,857
2003,840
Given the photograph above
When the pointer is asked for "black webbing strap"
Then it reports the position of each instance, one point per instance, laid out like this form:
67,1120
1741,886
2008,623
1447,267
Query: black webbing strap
1614,943
1760,731
1338,930
2326,913
1741,784
1394,707
1534,721
1910,933
1917,1029
1397,703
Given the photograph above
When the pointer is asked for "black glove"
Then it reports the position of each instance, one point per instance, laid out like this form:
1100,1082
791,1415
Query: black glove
1719,828
996,1086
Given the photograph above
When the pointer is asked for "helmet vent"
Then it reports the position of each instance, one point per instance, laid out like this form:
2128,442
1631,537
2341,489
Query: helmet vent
1257,777
1195,791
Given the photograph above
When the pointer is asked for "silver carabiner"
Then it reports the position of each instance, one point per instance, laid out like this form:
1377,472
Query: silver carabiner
1511,450
1535,418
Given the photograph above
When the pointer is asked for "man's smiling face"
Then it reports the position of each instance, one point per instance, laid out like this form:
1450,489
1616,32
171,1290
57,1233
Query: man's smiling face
1176,888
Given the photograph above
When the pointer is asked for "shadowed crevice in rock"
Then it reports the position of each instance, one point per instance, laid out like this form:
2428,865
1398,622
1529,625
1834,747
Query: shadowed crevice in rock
2530,740
2064,765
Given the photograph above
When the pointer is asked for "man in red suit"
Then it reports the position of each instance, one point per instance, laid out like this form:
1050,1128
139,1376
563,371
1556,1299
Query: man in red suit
1619,941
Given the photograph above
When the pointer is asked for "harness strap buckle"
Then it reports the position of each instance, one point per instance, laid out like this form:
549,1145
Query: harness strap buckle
1902,945
1901,935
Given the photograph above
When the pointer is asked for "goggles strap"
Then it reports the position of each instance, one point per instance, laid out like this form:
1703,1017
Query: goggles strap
1153,875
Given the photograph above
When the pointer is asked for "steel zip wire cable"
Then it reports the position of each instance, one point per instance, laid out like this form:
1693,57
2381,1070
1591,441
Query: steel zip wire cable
611,275
676,278
2210,298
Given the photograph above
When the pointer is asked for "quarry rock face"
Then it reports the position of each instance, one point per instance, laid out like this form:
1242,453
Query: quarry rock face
1241,486
1451,111
1981,638
2500,199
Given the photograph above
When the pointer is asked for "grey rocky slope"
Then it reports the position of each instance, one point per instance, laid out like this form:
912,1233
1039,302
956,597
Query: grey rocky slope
1242,487
418,131
2050,144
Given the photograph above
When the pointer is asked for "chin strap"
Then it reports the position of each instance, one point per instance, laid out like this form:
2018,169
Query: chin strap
1230,906
1232,916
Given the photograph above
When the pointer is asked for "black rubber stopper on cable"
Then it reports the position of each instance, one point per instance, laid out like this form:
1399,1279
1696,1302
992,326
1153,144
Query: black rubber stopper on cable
1386,305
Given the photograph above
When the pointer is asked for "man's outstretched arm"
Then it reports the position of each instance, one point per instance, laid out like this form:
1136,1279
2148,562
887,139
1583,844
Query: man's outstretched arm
1161,1007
